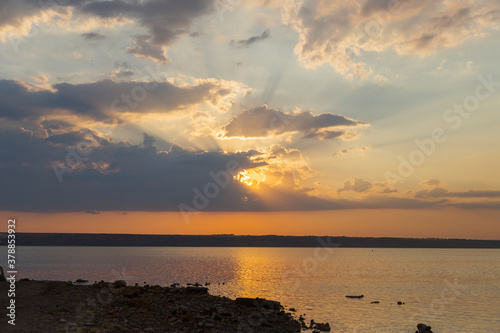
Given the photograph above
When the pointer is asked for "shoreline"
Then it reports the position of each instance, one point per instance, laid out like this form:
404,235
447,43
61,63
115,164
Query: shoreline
274,241
58,306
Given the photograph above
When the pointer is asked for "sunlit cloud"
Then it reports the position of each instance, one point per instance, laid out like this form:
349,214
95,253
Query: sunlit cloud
341,32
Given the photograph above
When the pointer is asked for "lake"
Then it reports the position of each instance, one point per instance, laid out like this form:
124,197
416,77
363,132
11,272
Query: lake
452,290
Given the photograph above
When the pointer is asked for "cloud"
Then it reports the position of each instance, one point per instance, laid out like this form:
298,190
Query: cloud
431,182
340,32
121,176
356,185
102,99
145,48
165,21
262,122
18,18
122,70
352,150
113,176
93,36
439,192
250,41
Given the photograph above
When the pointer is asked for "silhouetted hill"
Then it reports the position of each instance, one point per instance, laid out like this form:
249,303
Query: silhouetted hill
68,239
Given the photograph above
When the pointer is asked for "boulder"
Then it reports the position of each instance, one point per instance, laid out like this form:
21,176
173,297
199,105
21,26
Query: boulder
423,328
119,284
325,327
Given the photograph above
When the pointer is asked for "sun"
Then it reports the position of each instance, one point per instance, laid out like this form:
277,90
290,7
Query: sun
250,177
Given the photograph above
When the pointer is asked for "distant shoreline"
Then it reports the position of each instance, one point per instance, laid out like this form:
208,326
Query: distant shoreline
74,239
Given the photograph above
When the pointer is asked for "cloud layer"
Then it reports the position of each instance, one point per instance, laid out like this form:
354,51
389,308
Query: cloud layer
101,100
263,121
340,32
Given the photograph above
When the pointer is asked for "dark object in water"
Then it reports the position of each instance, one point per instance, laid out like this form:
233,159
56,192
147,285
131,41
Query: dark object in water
2,277
375,302
355,296
401,303
422,328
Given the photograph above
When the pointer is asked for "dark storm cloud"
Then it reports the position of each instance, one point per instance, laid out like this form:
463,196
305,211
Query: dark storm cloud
98,99
250,41
116,176
70,138
262,122
120,176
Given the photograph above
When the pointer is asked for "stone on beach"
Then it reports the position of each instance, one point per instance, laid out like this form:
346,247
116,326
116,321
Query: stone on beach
56,307
325,327
119,284
423,328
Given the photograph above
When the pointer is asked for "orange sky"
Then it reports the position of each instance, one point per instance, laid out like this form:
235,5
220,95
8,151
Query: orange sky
442,223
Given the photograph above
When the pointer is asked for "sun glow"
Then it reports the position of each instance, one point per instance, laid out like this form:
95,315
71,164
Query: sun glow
250,177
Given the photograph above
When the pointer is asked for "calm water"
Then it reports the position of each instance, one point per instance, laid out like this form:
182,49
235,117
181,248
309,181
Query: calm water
451,290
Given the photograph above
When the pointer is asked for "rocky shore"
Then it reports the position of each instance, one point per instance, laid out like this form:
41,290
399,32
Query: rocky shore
50,306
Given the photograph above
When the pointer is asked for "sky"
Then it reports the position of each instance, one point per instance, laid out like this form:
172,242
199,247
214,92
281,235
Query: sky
313,117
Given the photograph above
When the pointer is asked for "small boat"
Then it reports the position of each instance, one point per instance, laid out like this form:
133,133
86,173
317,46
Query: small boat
355,296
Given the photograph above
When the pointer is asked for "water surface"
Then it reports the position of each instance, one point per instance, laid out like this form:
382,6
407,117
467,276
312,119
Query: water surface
453,290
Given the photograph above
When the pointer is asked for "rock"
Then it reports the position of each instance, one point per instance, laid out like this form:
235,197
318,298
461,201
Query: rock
139,303
199,290
185,317
323,327
292,309
100,284
422,328
356,296
131,292
119,284
258,303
